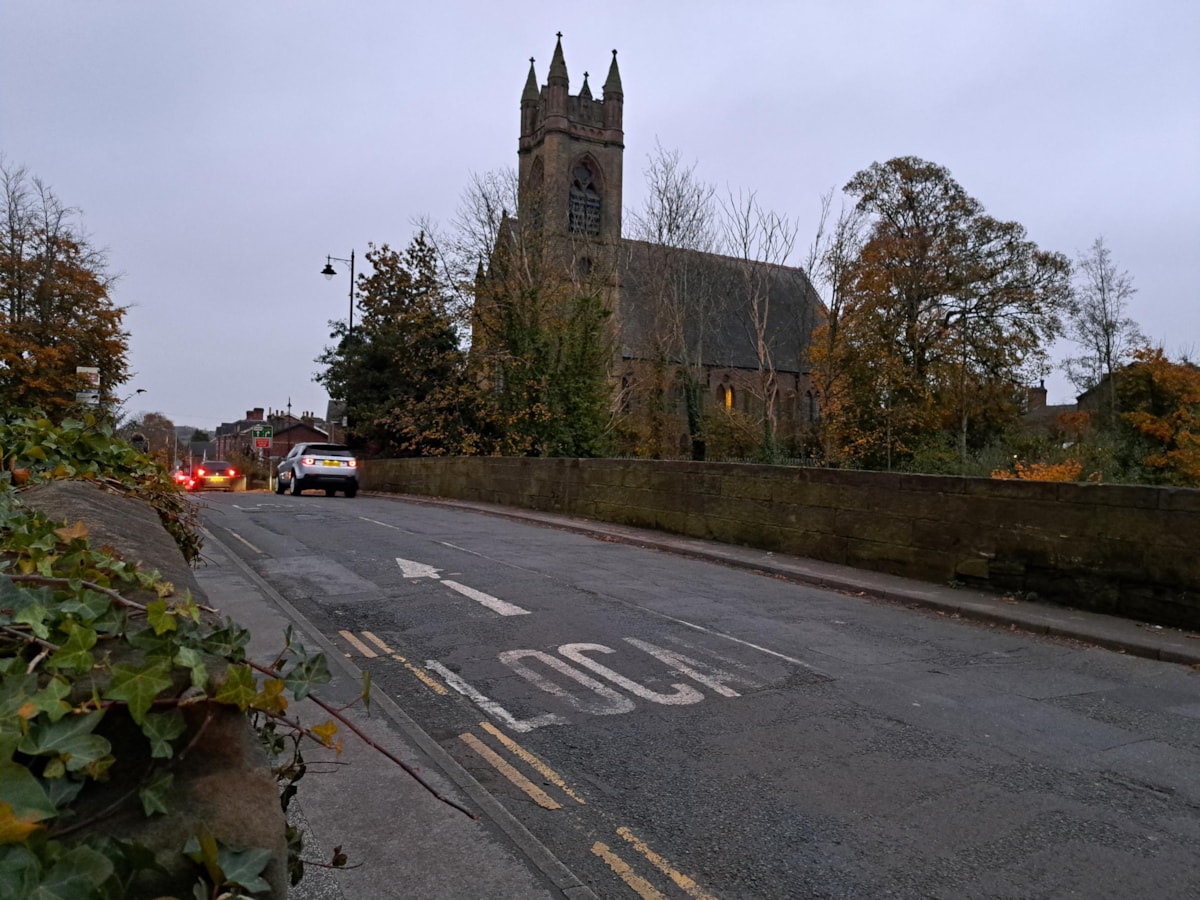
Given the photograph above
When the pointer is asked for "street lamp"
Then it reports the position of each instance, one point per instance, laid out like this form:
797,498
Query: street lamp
329,271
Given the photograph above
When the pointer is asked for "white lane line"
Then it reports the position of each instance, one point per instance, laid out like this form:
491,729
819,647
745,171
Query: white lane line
728,637
495,604
384,524
246,542
490,706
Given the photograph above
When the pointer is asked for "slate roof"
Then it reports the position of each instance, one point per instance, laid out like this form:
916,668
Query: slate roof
726,334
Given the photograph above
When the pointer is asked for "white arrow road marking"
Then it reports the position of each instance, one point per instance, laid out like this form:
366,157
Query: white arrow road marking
490,706
416,570
495,604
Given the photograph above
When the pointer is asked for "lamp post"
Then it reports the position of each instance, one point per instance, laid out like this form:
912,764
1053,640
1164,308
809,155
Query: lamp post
329,271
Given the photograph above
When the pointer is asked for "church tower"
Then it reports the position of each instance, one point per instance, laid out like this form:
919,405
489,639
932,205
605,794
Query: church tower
570,158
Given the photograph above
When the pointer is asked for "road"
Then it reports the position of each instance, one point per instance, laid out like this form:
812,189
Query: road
667,726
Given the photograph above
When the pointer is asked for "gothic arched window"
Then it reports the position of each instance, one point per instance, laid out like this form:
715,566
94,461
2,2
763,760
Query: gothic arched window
583,210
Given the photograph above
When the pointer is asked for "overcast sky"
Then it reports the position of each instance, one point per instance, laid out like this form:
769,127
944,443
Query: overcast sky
221,150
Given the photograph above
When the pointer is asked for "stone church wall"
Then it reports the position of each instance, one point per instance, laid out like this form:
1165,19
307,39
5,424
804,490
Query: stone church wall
1118,549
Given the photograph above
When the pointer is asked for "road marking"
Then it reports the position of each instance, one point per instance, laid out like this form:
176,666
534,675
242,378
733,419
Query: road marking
685,665
728,637
384,524
425,678
641,886
540,797
495,604
687,884
544,770
412,569
358,645
491,707
610,703
246,542
684,693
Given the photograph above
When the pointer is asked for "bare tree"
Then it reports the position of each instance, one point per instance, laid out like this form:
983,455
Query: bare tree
1097,322
759,240
675,230
830,264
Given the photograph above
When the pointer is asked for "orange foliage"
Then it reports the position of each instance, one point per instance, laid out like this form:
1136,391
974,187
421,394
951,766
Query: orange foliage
1068,470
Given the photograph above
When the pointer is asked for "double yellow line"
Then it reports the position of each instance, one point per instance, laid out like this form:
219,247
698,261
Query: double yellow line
641,886
425,678
505,768
623,870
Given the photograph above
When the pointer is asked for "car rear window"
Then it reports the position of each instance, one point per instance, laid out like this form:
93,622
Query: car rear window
328,450
214,465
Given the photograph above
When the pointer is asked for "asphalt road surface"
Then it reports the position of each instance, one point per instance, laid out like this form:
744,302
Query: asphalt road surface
672,727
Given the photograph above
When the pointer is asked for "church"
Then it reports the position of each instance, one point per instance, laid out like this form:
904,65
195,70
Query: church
704,349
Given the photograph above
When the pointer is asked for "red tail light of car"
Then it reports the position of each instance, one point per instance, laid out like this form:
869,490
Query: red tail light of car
200,473
232,472
308,461
352,463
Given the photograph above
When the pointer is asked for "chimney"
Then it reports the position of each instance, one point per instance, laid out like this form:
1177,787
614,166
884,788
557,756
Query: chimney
1037,397
254,415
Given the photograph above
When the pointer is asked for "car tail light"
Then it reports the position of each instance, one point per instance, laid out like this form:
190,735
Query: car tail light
200,473
308,460
352,463
232,473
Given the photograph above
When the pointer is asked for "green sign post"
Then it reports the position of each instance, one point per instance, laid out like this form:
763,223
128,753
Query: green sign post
262,435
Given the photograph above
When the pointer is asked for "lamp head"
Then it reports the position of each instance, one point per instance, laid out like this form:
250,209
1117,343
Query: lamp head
328,271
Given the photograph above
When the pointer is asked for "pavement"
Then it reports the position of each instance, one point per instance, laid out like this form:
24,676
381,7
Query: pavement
403,841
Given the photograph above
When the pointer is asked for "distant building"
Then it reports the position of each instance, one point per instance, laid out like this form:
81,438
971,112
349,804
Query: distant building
234,438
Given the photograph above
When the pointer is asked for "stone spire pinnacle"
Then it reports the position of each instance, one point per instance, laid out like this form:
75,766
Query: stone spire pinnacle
612,85
558,65
531,85
585,91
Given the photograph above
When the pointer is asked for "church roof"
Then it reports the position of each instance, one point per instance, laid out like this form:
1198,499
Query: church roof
719,318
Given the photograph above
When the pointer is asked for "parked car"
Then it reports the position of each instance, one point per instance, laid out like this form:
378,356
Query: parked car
329,466
214,475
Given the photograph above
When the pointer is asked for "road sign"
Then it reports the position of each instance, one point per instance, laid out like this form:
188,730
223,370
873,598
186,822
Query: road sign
262,435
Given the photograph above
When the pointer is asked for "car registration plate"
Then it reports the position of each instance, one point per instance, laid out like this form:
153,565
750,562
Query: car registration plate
331,462
216,479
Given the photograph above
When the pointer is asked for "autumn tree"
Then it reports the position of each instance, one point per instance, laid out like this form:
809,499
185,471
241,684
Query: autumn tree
1162,399
1097,322
541,326
669,269
55,310
949,312
829,265
400,372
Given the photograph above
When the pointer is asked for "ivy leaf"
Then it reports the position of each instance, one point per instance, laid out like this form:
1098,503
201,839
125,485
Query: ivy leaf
306,674
239,689
270,698
24,794
245,868
155,794
15,829
138,687
52,698
325,732
70,738
77,875
161,728
188,658
69,533
159,617
229,642
33,615
74,654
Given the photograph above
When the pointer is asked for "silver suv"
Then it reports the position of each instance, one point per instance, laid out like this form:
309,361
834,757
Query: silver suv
329,466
